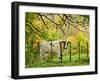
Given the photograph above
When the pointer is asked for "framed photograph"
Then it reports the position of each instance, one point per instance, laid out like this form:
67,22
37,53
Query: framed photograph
51,40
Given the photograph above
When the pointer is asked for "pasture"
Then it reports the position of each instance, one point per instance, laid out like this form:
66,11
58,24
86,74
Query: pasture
56,40
66,61
69,58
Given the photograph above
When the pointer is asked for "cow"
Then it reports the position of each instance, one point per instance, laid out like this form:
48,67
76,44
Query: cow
53,47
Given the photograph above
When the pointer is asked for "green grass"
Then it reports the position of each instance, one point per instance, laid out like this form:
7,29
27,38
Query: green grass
55,62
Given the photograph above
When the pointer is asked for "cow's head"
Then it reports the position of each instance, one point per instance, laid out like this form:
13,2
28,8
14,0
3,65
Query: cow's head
65,45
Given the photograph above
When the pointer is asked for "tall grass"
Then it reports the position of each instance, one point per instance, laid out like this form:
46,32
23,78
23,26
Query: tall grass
55,62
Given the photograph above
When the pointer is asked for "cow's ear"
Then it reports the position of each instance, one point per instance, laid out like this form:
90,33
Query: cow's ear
51,43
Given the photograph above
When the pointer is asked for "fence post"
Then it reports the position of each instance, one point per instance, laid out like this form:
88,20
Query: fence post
70,51
38,47
87,50
79,49
51,51
61,51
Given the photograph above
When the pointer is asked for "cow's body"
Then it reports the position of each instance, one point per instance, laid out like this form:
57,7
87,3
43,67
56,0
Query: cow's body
52,47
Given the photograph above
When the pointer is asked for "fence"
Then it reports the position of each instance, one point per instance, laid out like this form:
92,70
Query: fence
70,51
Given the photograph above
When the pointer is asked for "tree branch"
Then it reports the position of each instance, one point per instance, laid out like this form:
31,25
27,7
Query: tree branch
50,19
54,23
33,26
43,21
73,25
64,21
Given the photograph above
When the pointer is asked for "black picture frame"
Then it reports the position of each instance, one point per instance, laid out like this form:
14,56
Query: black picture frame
15,39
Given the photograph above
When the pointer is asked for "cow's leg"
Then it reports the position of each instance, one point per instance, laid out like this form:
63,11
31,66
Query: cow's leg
42,52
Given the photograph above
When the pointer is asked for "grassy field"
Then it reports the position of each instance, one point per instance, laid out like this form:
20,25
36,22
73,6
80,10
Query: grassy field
46,30
84,60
